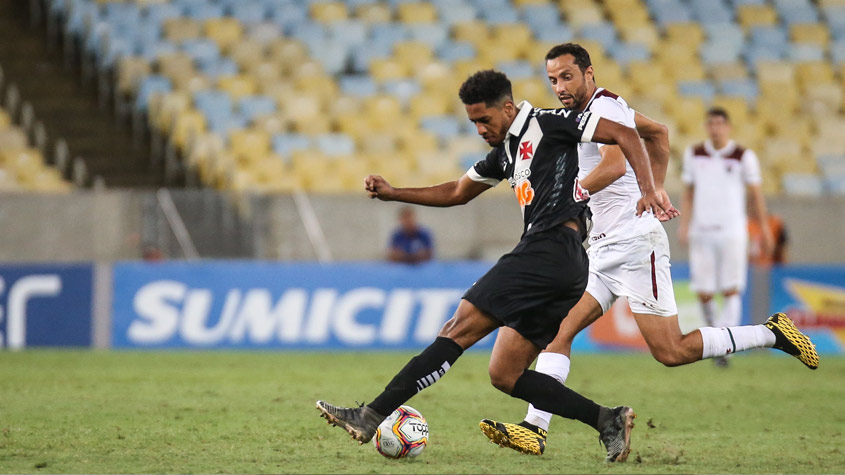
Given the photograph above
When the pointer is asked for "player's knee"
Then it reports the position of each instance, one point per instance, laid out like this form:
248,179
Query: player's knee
670,356
502,380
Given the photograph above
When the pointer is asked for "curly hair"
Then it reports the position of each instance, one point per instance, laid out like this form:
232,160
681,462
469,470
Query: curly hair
487,86
582,57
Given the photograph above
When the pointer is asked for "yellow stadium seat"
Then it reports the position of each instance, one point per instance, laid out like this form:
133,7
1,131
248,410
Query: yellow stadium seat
644,76
378,145
645,35
188,124
374,13
692,71
688,112
831,129
690,34
435,76
387,69
530,2
329,12
416,12
535,91
352,172
518,33
588,15
429,104
756,15
25,164
812,33
174,64
249,145
495,51
412,52
419,142
383,111
265,73
814,72
12,139
305,114
474,32
5,120
247,53
467,67
289,54
237,86
728,71
180,29
130,70
169,107
223,31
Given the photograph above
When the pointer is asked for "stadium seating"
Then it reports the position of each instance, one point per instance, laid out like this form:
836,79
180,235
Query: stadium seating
316,93
22,166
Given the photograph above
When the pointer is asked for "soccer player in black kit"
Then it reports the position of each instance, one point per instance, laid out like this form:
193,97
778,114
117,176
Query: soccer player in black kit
529,290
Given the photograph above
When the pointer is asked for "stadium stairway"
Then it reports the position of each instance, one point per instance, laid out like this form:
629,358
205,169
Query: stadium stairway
67,108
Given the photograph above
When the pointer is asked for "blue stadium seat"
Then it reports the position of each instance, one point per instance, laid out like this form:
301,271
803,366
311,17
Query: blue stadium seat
285,144
332,54
247,13
432,34
837,52
471,159
223,124
80,13
499,15
753,54
747,89
456,12
835,184
351,32
358,85
456,51
774,36
603,33
541,16
402,89
150,85
444,127
251,107
715,53
308,32
333,145
519,69
799,15
289,16
388,33
678,13
213,102
203,10
362,56
558,34
703,89
625,53
831,164
802,184
805,52
710,11
724,33
151,51
737,3
159,12
218,67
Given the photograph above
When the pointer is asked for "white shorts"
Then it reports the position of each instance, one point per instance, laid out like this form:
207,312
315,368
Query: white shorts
718,261
636,268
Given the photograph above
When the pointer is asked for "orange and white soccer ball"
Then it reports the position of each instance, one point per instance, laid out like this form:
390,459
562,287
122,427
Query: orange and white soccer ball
403,434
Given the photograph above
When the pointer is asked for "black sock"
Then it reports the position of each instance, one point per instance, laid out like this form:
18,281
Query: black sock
548,394
421,372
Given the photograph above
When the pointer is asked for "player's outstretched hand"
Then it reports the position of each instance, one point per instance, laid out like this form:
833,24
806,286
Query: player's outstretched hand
378,187
671,212
652,202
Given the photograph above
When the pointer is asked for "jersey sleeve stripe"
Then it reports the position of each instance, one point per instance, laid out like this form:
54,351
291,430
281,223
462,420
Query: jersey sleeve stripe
590,128
474,176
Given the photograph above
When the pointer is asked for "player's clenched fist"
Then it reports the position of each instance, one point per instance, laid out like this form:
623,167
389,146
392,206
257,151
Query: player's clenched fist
378,187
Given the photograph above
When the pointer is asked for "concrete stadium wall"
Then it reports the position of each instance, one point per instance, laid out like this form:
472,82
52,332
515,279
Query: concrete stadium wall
115,225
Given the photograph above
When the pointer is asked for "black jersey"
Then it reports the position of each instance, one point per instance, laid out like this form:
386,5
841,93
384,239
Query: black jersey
539,158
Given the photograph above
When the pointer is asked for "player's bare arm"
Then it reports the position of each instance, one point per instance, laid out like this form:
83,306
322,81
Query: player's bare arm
759,213
656,139
610,132
443,195
610,168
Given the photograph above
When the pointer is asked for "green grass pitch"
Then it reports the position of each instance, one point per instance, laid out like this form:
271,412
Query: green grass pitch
253,412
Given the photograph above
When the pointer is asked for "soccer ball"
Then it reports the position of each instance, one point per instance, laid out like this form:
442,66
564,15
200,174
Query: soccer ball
403,434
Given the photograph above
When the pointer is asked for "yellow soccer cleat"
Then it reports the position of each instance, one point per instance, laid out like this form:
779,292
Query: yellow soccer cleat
789,339
526,438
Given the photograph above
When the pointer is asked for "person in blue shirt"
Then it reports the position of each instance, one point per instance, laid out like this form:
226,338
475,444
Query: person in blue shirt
411,243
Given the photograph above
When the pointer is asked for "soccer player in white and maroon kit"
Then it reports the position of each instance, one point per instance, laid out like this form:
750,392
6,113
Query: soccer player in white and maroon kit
718,174
629,256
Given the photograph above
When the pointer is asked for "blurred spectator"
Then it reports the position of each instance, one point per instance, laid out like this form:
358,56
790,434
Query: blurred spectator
755,246
410,243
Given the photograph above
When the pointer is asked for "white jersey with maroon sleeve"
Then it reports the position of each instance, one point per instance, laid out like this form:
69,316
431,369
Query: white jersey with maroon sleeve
719,179
614,208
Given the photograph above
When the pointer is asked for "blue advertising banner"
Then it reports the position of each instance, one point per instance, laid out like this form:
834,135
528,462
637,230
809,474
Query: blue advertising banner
814,297
45,305
230,304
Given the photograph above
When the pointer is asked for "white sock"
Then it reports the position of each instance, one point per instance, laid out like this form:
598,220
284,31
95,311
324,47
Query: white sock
724,341
731,311
708,311
555,365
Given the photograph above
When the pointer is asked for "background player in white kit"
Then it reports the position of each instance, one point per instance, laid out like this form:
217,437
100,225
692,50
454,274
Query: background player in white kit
718,174
629,256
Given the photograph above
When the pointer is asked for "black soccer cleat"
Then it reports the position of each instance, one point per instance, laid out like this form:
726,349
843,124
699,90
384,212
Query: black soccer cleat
789,339
615,434
360,422
523,437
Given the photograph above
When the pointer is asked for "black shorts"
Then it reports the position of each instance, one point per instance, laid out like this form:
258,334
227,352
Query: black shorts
533,287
